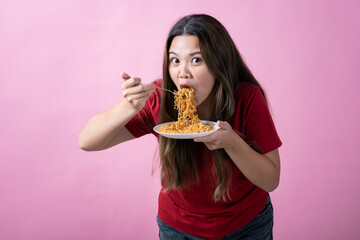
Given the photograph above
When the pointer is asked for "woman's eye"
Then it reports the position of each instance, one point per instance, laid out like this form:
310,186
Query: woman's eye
196,60
174,60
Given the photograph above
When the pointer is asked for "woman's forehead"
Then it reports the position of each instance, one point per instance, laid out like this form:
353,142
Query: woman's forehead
184,44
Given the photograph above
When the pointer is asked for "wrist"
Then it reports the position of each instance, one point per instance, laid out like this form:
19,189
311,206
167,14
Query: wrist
128,107
121,113
234,142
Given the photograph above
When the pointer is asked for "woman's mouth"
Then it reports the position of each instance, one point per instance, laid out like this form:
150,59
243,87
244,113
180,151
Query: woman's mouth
184,85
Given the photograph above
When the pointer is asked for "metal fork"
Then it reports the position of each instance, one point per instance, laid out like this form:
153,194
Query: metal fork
165,90
168,90
126,77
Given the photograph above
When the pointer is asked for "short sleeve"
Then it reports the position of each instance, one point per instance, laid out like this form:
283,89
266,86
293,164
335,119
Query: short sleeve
258,126
146,119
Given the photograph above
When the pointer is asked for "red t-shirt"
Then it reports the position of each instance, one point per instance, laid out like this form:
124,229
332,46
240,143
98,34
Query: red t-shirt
192,210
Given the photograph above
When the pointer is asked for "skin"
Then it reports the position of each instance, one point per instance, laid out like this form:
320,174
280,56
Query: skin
187,68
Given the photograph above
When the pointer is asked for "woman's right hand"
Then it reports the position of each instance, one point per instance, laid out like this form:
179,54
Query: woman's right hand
134,92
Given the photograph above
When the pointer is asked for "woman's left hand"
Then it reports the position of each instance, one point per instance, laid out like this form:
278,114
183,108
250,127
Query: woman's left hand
222,138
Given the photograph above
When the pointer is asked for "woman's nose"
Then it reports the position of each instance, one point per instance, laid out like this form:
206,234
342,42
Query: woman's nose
185,74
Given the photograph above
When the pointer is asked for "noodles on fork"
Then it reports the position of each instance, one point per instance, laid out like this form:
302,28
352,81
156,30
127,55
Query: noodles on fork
188,120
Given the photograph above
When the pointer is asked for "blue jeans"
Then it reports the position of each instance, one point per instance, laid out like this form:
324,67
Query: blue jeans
258,228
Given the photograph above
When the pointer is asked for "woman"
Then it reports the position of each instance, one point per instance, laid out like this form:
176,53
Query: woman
215,186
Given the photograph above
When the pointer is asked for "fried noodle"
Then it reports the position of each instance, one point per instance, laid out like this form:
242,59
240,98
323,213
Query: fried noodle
188,120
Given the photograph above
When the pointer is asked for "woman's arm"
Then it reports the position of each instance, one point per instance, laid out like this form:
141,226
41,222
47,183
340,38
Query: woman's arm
107,129
263,170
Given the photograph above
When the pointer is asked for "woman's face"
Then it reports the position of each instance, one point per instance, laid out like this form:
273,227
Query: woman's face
187,67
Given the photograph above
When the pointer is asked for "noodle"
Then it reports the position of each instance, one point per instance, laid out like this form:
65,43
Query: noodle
188,120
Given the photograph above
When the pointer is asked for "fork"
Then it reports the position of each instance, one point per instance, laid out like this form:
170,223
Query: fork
126,77
166,90
169,91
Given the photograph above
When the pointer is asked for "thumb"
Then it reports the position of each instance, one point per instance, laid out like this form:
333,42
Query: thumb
223,124
125,76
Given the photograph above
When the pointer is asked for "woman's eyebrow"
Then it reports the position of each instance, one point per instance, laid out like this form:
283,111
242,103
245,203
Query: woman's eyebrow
194,53
191,54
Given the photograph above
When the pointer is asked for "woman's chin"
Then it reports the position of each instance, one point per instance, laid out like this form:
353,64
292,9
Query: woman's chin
197,102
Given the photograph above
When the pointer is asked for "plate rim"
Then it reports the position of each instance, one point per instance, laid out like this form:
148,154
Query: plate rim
187,135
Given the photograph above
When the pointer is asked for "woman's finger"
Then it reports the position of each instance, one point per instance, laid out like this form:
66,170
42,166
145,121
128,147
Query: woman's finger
131,82
223,125
138,89
205,139
125,76
138,96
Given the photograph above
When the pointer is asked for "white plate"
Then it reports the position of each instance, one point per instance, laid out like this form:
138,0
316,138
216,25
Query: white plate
189,135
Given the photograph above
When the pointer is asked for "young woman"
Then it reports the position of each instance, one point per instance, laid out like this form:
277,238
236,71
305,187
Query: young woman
214,187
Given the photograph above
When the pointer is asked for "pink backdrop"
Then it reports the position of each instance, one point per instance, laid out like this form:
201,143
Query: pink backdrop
60,63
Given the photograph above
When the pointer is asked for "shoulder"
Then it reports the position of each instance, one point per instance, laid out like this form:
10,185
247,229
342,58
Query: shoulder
250,102
246,91
253,118
155,97
246,87
158,82
152,104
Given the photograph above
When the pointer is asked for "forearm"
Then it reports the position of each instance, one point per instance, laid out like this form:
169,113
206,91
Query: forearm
102,128
258,168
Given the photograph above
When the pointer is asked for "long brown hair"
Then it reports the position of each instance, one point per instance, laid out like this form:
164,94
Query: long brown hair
180,159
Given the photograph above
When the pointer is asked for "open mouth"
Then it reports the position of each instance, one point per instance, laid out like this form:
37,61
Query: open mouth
185,86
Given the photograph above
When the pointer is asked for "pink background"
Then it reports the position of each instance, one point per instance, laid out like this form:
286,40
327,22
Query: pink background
60,63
